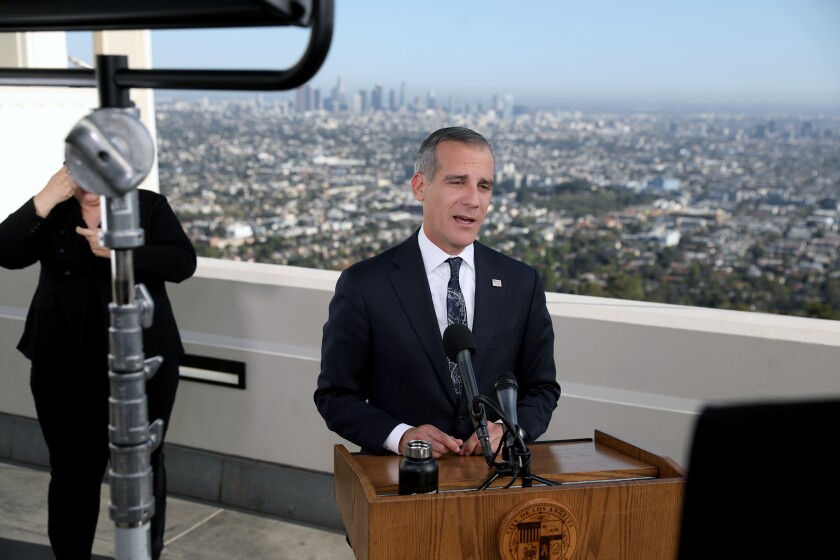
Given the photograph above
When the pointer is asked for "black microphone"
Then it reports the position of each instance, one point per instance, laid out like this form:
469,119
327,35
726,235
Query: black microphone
459,344
506,391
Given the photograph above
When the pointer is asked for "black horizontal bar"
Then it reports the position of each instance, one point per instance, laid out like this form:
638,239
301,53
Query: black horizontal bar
262,80
68,77
92,15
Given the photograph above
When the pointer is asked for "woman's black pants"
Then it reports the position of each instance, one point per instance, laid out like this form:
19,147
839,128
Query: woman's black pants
72,407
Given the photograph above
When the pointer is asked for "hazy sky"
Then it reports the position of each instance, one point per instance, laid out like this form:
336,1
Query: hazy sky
762,52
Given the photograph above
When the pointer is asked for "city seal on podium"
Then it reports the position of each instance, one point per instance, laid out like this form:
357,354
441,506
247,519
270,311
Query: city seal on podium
538,530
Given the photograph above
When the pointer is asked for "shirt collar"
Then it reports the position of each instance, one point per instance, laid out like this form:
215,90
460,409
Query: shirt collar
433,255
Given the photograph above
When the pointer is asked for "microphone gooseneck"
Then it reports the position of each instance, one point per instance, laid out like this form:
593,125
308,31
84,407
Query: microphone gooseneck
459,344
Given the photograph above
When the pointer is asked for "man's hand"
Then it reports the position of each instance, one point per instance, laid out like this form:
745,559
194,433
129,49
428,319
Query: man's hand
441,442
92,236
473,446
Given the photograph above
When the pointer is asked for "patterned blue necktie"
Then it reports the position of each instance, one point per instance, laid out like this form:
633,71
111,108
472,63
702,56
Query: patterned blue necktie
456,312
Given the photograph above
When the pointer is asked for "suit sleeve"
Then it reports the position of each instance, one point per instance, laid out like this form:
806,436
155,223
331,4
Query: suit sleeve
344,382
536,373
20,235
167,253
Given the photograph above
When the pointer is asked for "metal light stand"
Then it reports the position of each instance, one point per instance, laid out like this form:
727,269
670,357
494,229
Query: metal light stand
109,153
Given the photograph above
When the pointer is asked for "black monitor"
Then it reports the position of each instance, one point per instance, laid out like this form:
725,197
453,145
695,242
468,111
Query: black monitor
763,482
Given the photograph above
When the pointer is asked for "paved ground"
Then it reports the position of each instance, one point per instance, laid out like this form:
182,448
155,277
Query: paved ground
195,531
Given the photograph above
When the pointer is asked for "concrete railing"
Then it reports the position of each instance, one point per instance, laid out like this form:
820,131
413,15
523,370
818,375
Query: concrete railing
637,370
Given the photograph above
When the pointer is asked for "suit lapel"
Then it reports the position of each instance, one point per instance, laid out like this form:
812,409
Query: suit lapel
412,289
488,302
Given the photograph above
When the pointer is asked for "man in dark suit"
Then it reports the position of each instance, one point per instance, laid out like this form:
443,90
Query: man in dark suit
385,379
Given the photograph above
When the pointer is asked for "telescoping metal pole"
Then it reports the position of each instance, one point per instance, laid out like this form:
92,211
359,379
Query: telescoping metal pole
109,153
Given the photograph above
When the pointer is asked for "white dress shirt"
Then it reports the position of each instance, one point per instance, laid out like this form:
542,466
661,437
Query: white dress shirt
438,273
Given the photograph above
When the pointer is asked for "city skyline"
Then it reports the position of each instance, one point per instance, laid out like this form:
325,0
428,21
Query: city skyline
778,53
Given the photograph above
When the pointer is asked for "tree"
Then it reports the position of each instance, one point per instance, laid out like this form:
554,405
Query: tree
625,286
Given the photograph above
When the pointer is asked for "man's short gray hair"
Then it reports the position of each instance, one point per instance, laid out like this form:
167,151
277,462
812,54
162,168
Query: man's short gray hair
427,162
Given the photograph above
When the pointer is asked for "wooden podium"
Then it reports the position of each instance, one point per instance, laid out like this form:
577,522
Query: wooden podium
614,500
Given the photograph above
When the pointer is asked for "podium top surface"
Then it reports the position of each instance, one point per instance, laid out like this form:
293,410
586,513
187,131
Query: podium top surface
564,461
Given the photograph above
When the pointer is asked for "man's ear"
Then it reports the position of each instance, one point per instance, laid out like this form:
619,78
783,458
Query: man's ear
418,186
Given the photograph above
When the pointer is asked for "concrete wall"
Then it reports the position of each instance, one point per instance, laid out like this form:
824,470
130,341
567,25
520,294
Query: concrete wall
639,371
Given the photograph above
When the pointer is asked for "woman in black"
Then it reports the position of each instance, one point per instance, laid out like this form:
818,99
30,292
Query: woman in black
66,340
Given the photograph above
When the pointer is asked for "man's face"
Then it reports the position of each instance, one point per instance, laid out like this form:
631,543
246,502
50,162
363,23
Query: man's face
455,200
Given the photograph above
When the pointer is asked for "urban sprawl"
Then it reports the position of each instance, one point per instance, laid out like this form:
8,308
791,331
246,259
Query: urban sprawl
718,209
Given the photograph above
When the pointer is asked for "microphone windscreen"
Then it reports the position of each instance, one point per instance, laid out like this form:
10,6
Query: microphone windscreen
457,337
505,380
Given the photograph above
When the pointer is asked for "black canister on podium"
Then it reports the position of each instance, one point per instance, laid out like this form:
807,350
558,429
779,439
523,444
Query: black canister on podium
418,469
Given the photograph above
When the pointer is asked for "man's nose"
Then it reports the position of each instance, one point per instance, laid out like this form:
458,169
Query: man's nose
470,195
